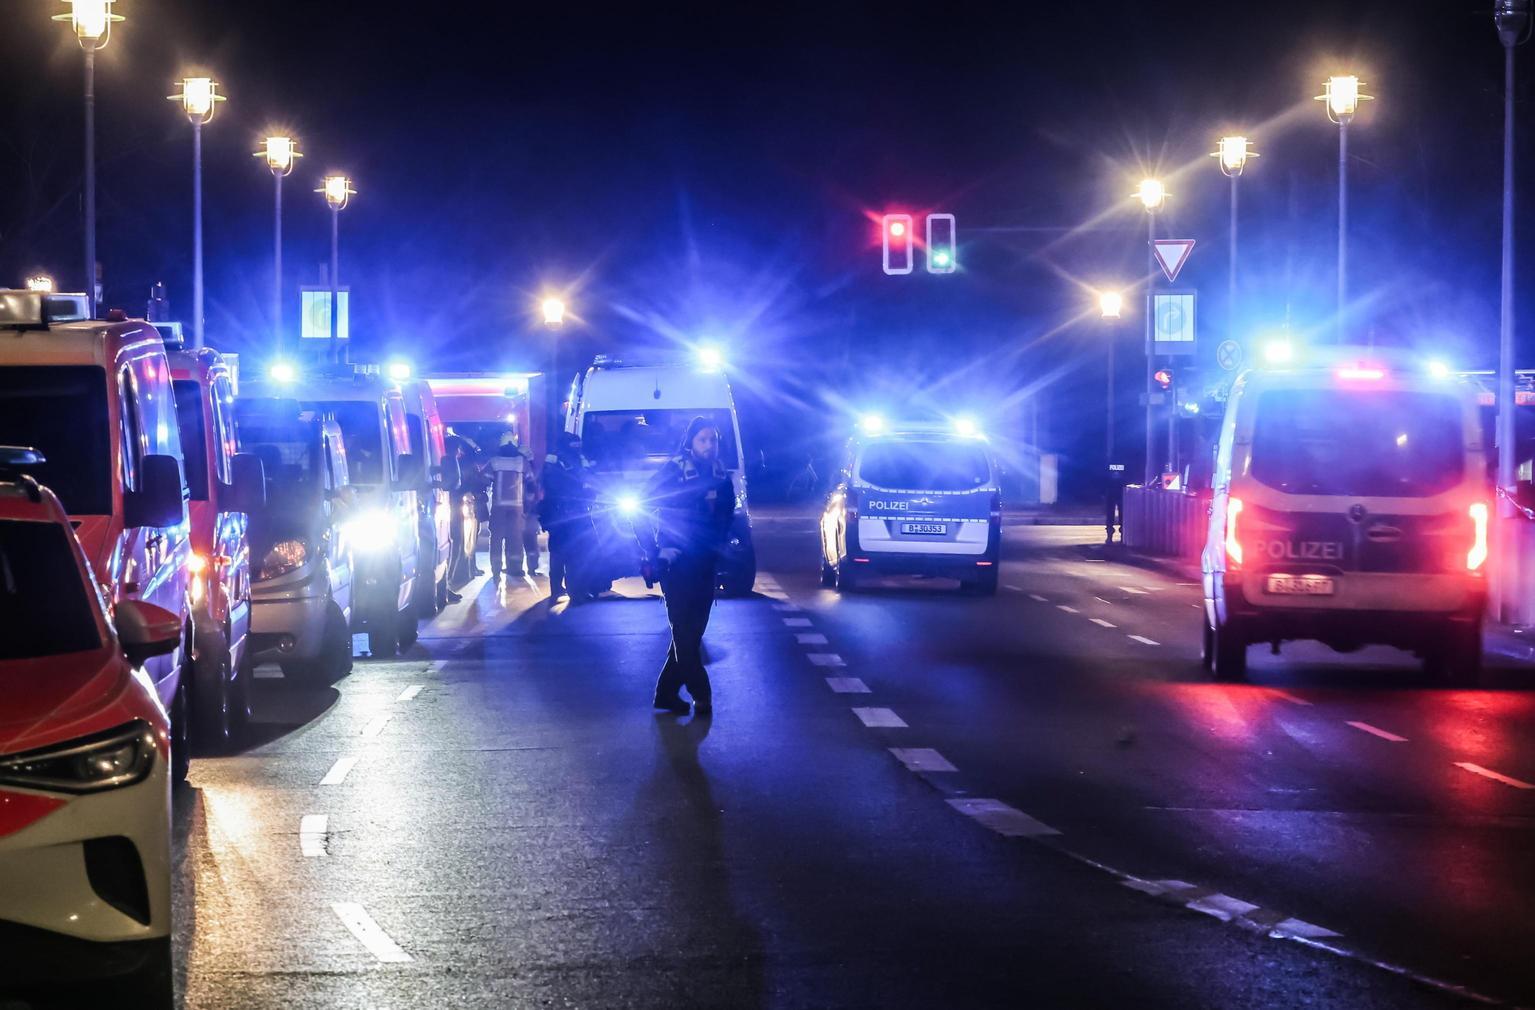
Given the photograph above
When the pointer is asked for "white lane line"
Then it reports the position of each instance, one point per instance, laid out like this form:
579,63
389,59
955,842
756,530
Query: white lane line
368,933
1001,818
1143,640
1222,906
1069,610
1131,589
436,666
847,685
339,771
1102,600
825,658
1102,623
790,608
1015,589
376,726
922,759
1227,909
1036,597
880,718
1303,929
1292,699
409,693
796,622
810,638
1476,769
1377,731
311,834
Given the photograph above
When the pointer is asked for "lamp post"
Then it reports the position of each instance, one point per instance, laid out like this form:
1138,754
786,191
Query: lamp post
92,24
1109,305
280,153
1512,18
199,98
553,309
1153,197
338,193
1232,154
1342,96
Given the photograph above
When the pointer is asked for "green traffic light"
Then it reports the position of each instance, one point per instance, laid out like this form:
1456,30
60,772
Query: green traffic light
941,257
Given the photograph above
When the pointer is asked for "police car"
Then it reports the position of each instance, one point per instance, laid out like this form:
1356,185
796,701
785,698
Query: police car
1350,506
914,499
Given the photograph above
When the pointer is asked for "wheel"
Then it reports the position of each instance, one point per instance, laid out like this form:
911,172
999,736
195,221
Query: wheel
1230,652
151,986
213,716
407,634
1454,658
424,596
846,581
384,637
181,737
333,661
984,584
828,574
442,594
1206,644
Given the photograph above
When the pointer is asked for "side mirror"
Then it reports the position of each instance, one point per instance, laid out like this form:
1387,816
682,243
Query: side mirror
247,483
145,630
411,471
158,500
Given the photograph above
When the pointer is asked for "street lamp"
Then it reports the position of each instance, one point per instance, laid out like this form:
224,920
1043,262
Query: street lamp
554,311
40,282
281,154
1512,18
199,98
92,24
1342,96
1153,196
1232,154
338,193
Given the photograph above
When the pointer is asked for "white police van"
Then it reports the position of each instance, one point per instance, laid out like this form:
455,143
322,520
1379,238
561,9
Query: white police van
914,499
1351,506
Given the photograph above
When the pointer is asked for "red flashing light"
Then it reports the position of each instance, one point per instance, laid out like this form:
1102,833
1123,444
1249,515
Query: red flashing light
897,229
1233,545
1164,378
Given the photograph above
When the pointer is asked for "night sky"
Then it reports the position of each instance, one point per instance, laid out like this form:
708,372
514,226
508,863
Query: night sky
699,173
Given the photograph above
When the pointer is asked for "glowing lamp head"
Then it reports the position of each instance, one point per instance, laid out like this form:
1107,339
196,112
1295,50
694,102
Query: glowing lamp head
628,504
871,424
1438,369
965,427
710,358
338,191
1342,96
1233,153
1110,303
283,372
1152,194
398,371
1278,352
280,153
553,310
91,21
199,98
41,282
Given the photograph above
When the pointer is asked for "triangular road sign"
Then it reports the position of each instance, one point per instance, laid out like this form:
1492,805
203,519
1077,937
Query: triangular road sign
1171,254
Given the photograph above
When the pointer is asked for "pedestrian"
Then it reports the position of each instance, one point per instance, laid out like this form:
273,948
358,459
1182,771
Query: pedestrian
693,503
565,511
506,510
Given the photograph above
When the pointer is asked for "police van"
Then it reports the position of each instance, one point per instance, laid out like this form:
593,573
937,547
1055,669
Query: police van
914,499
1351,506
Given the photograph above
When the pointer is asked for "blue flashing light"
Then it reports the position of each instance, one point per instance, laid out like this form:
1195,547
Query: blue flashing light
283,371
1438,369
398,371
628,505
710,358
871,424
1279,352
966,427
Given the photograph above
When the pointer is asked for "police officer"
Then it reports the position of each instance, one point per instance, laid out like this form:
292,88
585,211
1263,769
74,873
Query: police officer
693,501
566,513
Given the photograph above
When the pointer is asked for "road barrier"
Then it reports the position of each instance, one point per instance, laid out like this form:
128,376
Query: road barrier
1167,523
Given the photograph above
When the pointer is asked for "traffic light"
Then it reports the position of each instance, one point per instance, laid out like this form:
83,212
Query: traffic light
896,234
942,248
1164,378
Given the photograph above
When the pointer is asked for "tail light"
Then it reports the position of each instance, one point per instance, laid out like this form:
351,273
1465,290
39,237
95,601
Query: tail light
1477,555
1233,545
850,502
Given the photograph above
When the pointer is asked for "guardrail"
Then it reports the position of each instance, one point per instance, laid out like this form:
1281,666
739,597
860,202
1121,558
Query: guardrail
1168,523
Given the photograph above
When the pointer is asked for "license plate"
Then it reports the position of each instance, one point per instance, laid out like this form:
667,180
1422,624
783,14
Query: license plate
925,529
1301,585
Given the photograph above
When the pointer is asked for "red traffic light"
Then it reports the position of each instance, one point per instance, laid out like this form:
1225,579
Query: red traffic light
898,251
1164,378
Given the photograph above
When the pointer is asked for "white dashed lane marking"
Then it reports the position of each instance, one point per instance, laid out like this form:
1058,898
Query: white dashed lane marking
1015,589
1377,731
1477,769
376,725
1102,623
792,608
1001,818
810,638
409,693
1143,640
1292,699
922,759
879,718
1132,590
339,771
311,835
847,685
825,659
1036,597
1229,909
796,622
1069,610
368,933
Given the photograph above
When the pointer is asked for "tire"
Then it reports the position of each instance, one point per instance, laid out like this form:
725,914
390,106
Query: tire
384,637
424,596
1229,658
181,736
1206,645
407,634
984,584
213,717
846,581
828,574
152,984
1454,659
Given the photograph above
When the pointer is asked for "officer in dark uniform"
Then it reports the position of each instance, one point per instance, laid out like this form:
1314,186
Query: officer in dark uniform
693,503
566,514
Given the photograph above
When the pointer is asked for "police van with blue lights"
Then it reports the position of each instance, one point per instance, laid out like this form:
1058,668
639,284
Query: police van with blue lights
914,499
1350,506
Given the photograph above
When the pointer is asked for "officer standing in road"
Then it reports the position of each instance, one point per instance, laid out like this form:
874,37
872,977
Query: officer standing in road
566,514
506,510
693,502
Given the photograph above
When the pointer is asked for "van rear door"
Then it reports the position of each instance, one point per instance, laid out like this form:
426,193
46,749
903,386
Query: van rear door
924,491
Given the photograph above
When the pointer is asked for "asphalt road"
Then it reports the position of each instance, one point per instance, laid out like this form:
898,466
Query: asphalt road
906,798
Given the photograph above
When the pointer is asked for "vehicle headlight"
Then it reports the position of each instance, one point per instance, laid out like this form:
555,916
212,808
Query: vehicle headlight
628,505
370,531
284,557
109,760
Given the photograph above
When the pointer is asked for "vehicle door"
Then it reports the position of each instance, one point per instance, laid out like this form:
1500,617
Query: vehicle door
335,479
426,443
403,501
231,544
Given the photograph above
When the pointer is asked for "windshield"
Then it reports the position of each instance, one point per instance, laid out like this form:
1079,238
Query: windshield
189,416
635,439
286,441
61,410
42,595
1378,443
934,465
359,421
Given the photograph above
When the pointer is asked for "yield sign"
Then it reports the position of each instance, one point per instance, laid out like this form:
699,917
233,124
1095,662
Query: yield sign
1171,254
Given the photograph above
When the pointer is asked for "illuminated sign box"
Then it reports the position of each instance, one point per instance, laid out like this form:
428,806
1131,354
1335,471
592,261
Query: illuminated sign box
315,313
